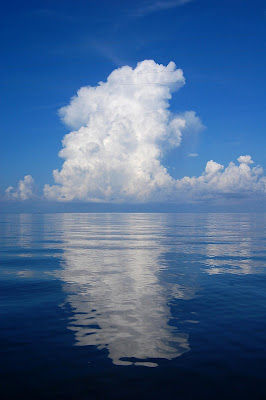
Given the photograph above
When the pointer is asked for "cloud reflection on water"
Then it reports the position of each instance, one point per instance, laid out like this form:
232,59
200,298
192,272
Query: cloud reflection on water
112,269
233,244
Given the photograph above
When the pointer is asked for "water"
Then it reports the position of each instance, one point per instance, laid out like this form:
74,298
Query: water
133,306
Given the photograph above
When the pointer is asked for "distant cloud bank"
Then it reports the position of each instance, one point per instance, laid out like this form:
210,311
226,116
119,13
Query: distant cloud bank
122,129
219,181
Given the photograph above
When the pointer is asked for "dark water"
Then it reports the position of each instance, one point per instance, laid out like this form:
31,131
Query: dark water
133,306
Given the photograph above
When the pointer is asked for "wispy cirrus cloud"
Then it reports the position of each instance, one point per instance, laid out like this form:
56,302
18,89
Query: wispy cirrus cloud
150,7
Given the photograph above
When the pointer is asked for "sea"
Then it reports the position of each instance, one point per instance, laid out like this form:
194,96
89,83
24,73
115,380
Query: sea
133,306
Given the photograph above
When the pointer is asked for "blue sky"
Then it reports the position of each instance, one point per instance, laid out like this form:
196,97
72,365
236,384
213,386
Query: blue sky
52,48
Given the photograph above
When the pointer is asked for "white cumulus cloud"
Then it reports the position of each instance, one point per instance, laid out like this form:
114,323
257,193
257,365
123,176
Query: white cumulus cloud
121,130
122,127
216,180
245,160
24,191
193,122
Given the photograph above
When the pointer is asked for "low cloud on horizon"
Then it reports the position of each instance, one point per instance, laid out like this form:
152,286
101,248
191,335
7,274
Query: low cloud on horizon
122,129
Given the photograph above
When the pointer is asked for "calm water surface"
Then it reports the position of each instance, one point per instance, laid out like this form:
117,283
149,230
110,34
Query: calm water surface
125,306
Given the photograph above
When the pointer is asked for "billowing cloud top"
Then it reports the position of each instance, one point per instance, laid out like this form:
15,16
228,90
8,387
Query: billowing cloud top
122,128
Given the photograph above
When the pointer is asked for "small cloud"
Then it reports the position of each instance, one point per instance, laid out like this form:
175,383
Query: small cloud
245,160
24,191
192,155
193,122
